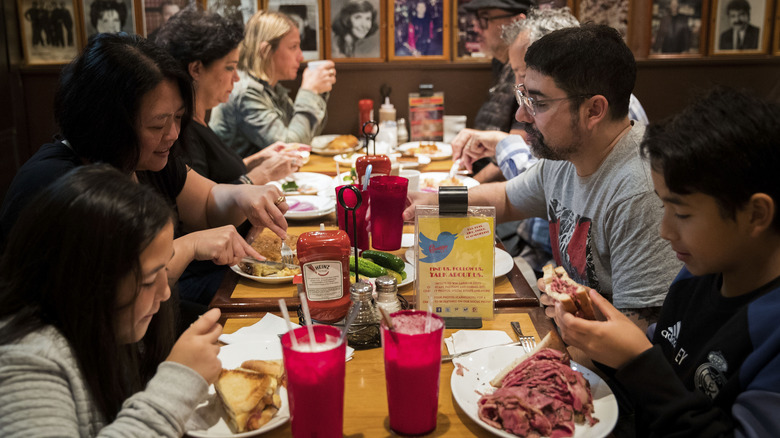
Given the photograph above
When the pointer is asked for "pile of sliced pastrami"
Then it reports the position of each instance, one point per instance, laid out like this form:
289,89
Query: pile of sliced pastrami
541,397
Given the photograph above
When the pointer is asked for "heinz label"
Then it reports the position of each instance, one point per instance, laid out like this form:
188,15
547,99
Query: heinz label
323,280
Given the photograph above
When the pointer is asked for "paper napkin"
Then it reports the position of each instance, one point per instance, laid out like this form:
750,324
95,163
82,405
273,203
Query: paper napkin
467,340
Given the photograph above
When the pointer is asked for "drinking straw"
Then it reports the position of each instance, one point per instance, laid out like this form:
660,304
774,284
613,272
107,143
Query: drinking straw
353,312
307,315
367,176
283,308
387,318
428,319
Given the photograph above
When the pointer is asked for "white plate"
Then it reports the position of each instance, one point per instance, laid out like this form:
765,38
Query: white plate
444,152
480,367
350,159
439,176
267,280
319,143
211,413
322,205
317,181
409,269
503,261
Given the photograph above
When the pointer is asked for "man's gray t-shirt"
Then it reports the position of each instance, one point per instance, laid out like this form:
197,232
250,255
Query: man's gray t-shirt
604,228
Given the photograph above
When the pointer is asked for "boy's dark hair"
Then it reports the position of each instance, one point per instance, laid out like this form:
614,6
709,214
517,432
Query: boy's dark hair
195,35
587,60
67,255
99,96
725,145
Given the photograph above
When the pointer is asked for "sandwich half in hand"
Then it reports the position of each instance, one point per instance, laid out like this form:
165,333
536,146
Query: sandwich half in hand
573,296
250,398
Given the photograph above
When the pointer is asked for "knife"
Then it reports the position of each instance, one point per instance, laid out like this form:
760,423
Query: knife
449,357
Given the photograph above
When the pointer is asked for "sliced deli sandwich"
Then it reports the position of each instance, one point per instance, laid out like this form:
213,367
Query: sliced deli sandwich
250,394
573,296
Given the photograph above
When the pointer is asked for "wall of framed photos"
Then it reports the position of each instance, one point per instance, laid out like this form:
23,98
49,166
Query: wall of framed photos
392,53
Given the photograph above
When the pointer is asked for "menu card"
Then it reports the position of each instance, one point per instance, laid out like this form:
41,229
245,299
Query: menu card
455,261
426,117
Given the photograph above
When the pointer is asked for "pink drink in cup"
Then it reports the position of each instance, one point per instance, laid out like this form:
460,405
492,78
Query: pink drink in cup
315,382
360,214
412,365
388,195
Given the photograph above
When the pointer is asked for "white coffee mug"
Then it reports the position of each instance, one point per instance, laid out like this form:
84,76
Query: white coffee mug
414,179
314,65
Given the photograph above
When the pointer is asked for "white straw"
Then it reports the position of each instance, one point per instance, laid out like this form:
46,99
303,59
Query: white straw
338,175
283,307
307,315
428,318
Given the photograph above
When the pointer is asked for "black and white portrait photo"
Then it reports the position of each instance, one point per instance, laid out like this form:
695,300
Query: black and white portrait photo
419,27
108,16
613,13
49,31
676,27
740,25
158,12
355,29
233,9
306,15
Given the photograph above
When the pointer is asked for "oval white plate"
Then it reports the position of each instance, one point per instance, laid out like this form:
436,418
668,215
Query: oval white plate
444,152
439,176
266,348
322,205
318,181
409,269
319,143
503,261
480,367
266,280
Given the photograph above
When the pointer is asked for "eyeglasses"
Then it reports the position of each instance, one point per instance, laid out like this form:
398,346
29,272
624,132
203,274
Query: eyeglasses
534,106
485,19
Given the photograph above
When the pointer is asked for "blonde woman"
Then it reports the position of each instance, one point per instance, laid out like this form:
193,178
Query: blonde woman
259,111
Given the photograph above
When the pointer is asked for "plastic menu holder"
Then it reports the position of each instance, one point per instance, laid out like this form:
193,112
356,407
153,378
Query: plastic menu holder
455,259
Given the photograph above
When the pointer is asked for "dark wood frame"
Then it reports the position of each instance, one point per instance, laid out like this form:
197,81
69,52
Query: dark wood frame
776,37
703,32
136,14
382,33
446,39
27,46
715,30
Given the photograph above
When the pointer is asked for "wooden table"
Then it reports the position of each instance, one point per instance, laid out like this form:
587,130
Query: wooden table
326,165
238,296
365,394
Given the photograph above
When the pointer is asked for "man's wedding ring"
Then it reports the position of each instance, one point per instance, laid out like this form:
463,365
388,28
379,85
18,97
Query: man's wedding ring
279,200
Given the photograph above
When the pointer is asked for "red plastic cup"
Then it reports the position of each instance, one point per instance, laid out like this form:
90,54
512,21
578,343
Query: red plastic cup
360,214
412,366
388,195
315,382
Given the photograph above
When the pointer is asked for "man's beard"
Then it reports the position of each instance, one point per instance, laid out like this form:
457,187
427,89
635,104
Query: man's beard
541,149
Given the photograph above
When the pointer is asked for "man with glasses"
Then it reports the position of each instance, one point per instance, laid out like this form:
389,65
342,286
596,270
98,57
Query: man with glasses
590,183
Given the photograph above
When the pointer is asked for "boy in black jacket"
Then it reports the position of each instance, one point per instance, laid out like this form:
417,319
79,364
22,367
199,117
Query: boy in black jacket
712,365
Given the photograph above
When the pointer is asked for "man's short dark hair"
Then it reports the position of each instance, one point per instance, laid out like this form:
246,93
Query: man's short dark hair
725,145
738,5
587,60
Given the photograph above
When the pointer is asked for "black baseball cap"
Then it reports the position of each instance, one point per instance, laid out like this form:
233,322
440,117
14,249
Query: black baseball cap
517,6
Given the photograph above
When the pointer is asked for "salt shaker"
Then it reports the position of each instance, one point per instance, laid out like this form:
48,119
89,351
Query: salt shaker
387,294
364,331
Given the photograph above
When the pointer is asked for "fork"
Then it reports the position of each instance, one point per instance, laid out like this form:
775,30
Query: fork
287,254
449,357
528,342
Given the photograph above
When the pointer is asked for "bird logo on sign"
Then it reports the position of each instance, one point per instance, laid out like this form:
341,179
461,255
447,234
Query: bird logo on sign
436,250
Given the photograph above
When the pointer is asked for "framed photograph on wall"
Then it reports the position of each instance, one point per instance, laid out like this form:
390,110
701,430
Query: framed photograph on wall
418,30
355,30
158,12
233,9
307,16
678,28
740,26
108,16
613,13
50,31
776,39
465,35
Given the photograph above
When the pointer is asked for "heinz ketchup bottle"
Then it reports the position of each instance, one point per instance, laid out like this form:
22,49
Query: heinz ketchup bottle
381,165
324,258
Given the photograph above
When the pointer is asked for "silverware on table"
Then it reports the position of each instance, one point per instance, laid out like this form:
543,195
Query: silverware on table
528,342
463,353
287,254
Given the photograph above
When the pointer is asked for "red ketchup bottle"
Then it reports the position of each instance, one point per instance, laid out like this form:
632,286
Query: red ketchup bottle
381,165
324,258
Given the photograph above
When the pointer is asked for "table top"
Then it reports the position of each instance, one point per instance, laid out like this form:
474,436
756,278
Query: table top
365,394
238,296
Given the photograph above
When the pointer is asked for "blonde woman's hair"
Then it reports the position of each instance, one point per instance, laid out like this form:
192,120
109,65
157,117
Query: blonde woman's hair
263,32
